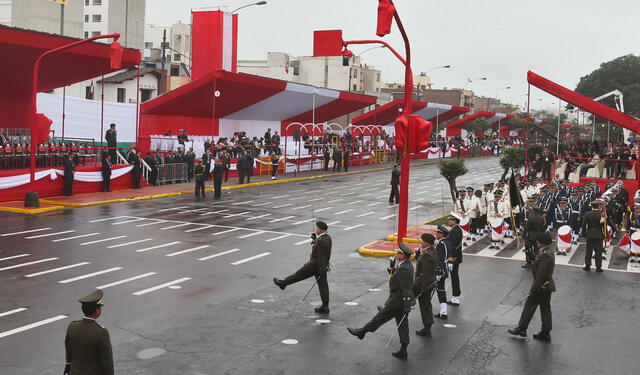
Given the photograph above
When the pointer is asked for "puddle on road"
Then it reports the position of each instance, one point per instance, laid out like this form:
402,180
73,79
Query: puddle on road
150,353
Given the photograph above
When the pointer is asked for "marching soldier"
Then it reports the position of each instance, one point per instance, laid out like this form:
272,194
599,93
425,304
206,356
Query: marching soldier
454,258
198,172
426,271
317,266
87,343
593,228
398,305
444,249
533,228
540,292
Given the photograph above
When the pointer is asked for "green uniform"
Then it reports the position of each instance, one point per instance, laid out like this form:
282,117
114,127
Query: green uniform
425,283
88,348
541,289
593,229
317,266
534,226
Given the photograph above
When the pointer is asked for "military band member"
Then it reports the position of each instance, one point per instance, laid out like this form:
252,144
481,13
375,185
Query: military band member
540,292
87,343
474,212
575,218
461,202
444,250
534,227
634,226
470,191
486,197
593,228
562,213
398,305
500,208
317,266
425,282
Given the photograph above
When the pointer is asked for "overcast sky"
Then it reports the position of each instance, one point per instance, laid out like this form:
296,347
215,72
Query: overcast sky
562,40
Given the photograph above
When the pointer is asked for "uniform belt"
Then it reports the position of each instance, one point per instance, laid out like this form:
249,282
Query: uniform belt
575,212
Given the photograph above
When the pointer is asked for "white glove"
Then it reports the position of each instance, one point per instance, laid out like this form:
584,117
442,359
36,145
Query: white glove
450,266
438,277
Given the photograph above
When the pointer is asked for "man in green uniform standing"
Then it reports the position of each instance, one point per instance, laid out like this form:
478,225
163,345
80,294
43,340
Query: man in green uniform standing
534,226
87,344
593,228
540,293
198,172
426,270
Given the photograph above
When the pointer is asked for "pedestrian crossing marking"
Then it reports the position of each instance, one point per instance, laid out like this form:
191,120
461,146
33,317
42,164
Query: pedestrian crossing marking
102,240
188,250
82,277
57,269
158,246
27,264
128,243
49,234
126,280
14,311
75,237
15,257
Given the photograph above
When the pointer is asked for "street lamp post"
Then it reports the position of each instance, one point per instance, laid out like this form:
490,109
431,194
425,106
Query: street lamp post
470,81
250,5
351,74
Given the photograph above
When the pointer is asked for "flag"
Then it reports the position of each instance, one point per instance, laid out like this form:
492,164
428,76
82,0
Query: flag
625,244
92,90
515,199
286,67
116,55
60,1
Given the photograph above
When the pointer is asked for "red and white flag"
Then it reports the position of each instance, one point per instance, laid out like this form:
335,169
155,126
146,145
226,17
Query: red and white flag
625,244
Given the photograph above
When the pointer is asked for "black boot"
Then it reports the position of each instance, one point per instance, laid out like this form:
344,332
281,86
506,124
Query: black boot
324,309
518,332
542,336
424,332
402,353
279,283
586,268
357,332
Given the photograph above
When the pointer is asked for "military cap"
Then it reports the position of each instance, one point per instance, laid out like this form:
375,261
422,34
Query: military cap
462,191
442,229
488,185
470,188
498,192
322,225
575,192
563,200
597,202
404,249
532,198
94,297
455,216
535,196
544,238
428,237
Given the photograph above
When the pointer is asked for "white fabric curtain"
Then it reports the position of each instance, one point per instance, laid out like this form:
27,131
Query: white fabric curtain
23,179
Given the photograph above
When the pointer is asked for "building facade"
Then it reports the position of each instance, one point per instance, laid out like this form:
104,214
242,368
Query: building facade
116,16
45,16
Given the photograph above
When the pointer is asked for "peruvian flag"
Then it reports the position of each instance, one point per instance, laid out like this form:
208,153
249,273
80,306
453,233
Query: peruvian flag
625,244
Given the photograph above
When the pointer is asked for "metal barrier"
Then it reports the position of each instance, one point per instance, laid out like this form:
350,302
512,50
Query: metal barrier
172,173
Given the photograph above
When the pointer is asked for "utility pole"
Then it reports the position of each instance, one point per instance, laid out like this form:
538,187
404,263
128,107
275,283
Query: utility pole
61,19
164,46
126,22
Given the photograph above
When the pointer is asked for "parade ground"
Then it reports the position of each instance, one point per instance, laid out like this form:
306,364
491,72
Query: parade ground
188,287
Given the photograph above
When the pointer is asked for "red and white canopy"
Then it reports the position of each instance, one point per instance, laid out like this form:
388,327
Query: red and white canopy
499,118
386,115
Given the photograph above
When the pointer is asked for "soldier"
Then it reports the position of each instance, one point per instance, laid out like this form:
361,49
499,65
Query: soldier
487,198
337,158
275,159
87,343
474,212
219,169
454,258
426,271
540,293
395,181
198,172
317,266
562,213
112,141
461,202
499,208
533,228
137,169
69,171
444,249
106,173
593,228
398,305
575,217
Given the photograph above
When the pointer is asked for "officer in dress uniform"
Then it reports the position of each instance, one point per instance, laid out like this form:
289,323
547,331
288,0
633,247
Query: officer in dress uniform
425,282
444,250
106,173
198,172
317,266
575,218
461,202
219,168
398,305
534,226
593,229
395,181
540,292
454,259
87,343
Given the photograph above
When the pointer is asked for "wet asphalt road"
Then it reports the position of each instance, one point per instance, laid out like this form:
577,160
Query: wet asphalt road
188,288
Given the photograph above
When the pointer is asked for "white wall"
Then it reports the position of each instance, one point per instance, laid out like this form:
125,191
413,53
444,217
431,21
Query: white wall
5,12
45,16
78,90
253,128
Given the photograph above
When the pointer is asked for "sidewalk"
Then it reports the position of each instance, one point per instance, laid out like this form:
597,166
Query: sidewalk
152,192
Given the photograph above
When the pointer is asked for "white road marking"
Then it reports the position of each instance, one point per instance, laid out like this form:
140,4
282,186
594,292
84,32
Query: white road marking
303,242
49,234
97,273
388,217
296,198
153,223
107,219
27,264
301,207
125,280
302,221
175,226
173,208
374,203
196,210
213,212
277,238
284,205
262,204
102,240
280,196
31,326
354,227
354,202
281,219
315,199
238,214
14,311
258,217
188,250
158,246
324,209
334,222
128,221
251,234
343,212
335,200
245,260
15,256
128,243
219,254
240,203
225,231
415,208
74,237
198,229
57,269
24,232
421,192
161,286
366,214
382,196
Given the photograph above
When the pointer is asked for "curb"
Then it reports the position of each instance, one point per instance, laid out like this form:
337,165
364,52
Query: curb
27,211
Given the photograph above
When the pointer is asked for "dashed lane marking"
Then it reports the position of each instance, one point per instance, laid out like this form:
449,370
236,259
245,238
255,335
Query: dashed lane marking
49,234
249,259
343,212
75,237
158,246
31,326
354,227
303,242
161,286
175,226
213,212
366,214
15,257
238,214
374,203
57,269
324,209
188,250
303,221
315,199
27,264
334,222
283,205
128,243
172,208
218,254
262,204
250,235
281,219
24,232
415,208
157,221
92,274
105,286
108,218
335,200
277,238
354,202
281,196
225,231
241,203
258,217
198,229
388,217
102,240
128,221
14,311
301,207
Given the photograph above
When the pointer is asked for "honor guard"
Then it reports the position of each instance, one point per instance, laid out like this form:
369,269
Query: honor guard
561,214
444,249
87,343
540,292
487,198
575,218
593,227
461,202
454,259
398,305
425,282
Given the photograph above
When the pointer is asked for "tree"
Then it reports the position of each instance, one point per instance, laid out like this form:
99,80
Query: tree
622,73
451,169
512,157
477,125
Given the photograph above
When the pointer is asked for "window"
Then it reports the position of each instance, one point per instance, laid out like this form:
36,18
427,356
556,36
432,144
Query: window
86,2
378,77
355,88
96,18
95,33
176,57
148,45
86,18
355,73
97,2
86,34
88,93
145,94
175,71
122,93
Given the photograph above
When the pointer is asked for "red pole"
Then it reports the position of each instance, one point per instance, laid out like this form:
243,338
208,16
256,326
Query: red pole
64,99
102,117
526,135
137,108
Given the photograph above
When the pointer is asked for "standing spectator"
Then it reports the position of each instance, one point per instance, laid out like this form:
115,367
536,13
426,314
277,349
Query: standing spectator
137,170
548,159
395,181
69,170
106,173
153,174
337,158
112,142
